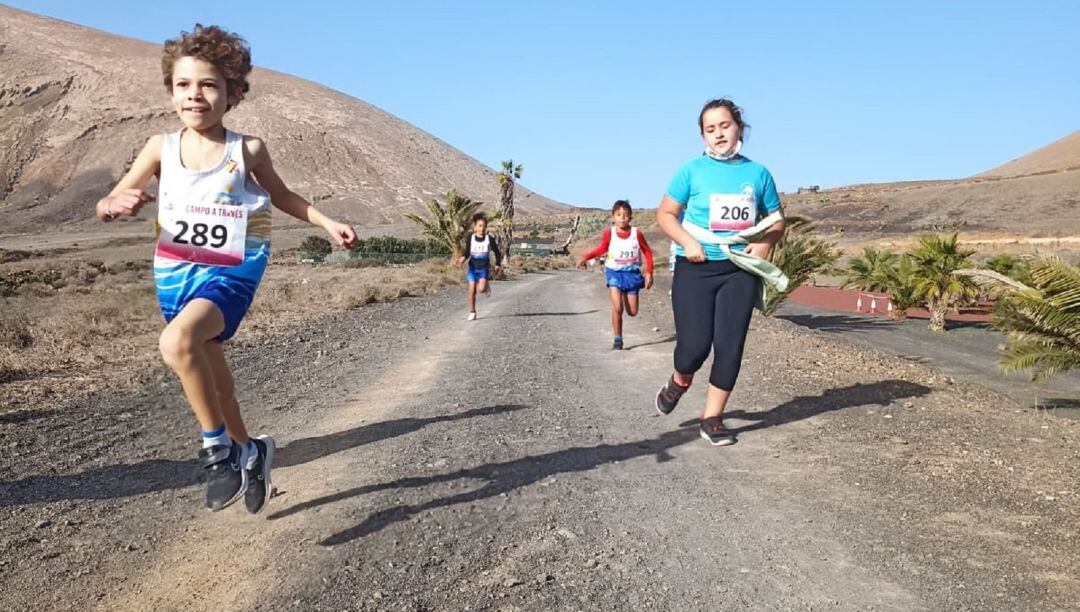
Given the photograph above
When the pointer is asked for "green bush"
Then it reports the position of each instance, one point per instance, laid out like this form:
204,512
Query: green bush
315,247
1011,266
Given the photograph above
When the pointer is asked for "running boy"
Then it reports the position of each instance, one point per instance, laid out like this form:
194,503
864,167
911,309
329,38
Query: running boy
624,247
215,188
479,247
732,221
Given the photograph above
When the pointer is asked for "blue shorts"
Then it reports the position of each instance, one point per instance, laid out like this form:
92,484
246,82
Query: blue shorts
230,289
627,281
478,273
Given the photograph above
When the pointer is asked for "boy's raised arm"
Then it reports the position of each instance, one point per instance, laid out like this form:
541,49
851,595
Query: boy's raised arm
128,197
288,201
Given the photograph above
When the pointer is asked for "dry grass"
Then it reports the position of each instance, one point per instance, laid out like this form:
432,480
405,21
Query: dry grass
87,327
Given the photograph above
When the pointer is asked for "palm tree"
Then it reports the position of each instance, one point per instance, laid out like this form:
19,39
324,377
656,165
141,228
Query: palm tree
1042,321
449,222
507,178
934,263
872,271
800,254
900,285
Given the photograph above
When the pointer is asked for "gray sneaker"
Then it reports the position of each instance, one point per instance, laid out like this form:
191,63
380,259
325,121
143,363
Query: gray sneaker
713,430
669,395
226,481
260,489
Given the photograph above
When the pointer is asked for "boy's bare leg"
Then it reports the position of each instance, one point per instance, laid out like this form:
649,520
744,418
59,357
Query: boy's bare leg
631,304
472,296
183,347
226,392
616,310
481,285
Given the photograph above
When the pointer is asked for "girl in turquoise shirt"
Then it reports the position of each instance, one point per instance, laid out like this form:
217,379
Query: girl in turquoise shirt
712,298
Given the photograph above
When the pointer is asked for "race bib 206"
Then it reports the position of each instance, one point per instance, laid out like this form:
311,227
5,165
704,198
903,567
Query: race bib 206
731,211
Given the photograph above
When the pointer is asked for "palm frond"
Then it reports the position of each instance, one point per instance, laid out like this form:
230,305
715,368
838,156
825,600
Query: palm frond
1043,321
800,254
448,221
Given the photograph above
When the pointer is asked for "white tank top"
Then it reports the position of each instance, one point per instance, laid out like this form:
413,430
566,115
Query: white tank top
623,253
480,249
197,210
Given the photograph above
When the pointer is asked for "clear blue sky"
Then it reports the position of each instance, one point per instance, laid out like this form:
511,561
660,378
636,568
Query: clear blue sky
599,99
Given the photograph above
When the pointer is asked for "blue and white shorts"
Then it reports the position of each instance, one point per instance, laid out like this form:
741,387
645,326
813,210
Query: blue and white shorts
476,273
627,281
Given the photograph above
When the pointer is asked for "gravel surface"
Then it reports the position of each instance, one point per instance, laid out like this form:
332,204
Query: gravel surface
516,463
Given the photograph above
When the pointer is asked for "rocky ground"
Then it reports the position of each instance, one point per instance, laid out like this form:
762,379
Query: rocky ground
516,463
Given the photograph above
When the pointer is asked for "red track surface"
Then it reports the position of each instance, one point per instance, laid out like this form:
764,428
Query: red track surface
845,300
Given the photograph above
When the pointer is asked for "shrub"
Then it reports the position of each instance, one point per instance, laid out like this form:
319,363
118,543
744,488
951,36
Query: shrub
315,247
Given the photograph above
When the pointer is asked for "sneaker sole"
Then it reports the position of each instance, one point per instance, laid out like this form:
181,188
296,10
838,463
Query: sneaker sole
721,442
267,462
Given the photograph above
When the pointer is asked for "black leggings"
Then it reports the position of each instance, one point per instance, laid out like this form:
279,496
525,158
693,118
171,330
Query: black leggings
713,302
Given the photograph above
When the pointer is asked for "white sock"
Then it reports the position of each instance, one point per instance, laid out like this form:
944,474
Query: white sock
252,454
218,437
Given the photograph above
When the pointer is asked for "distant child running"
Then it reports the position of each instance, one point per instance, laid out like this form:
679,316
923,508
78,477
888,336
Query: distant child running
479,249
215,188
732,221
623,248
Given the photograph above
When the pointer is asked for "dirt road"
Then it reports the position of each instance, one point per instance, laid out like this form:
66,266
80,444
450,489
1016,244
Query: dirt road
516,463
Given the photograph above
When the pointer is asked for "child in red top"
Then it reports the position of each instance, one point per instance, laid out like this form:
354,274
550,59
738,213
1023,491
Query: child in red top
624,247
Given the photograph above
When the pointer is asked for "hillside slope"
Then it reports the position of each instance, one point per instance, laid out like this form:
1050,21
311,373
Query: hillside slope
74,115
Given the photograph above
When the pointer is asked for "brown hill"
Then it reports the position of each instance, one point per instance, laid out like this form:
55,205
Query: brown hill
1030,201
1060,155
77,104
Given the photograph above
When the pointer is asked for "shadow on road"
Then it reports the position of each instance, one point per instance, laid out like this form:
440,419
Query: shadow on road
22,416
309,449
498,477
666,340
544,314
882,393
125,480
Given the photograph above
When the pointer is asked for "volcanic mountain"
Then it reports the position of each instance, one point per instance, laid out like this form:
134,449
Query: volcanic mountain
1032,200
77,104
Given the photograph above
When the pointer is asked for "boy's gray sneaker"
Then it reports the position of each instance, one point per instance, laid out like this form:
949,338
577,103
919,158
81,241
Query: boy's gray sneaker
260,489
226,480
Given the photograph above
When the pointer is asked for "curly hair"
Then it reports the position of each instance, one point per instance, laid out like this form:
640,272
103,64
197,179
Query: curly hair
227,51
